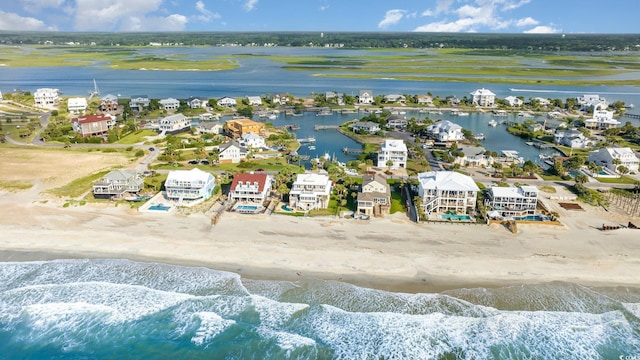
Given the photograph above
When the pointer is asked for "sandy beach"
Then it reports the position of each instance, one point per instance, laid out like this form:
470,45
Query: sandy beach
391,253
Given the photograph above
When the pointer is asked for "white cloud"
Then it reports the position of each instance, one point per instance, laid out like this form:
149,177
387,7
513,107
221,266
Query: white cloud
125,15
542,30
391,17
174,22
510,5
250,4
528,21
324,7
205,14
427,13
34,6
12,21
443,6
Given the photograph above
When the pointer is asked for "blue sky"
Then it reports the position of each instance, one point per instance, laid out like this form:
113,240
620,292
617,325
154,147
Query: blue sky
487,16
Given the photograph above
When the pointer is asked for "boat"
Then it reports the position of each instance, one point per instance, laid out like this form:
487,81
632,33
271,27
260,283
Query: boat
479,136
272,117
324,113
295,113
312,147
307,140
492,122
530,143
462,113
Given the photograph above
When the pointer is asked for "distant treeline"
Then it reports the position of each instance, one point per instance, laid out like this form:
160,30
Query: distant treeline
531,42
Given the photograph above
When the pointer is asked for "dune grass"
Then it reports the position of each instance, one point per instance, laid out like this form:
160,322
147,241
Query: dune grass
15,185
78,186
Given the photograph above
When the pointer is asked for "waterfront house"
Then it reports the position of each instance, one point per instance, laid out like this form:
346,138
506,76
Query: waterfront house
483,97
424,100
118,183
572,138
513,101
93,125
588,101
541,101
209,127
365,97
46,98
77,105
607,158
310,191
446,191
281,99
453,100
254,100
474,156
512,201
109,104
395,151
231,153
198,102
397,122
236,127
174,124
366,126
250,187
395,98
139,102
333,97
227,102
170,104
445,131
252,141
374,197
602,119
192,185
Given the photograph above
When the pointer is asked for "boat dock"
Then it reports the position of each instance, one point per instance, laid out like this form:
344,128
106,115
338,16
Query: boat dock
349,151
325,127
307,140
540,144
633,116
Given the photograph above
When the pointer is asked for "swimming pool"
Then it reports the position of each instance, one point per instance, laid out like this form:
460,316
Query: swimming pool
455,217
159,207
532,218
247,208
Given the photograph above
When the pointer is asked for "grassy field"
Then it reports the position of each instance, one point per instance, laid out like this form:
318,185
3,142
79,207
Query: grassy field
78,186
15,185
136,137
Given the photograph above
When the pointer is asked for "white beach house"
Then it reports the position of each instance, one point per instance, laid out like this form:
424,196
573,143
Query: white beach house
602,119
118,183
483,97
310,191
46,98
192,185
395,151
365,97
445,191
374,198
612,158
174,124
231,153
252,141
169,104
227,102
445,131
77,105
513,201
250,187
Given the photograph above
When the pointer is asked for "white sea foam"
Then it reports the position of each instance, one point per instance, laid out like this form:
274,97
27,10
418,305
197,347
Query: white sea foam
275,314
211,325
633,308
285,340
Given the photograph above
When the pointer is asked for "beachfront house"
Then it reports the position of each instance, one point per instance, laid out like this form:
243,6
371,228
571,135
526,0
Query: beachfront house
474,156
189,186
445,131
369,127
374,197
441,192
117,184
310,191
198,102
513,101
93,125
397,122
365,97
231,153
235,128
109,104
250,187
77,105
227,102
252,141
395,151
572,138
254,100
139,102
483,97
612,158
46,98
395,98
513,201
209,127
602,119
169,104
174,124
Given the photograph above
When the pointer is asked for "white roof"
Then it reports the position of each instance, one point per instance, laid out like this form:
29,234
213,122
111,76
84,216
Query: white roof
250,136
312,179
444,125
447,180
194,174
512,191
483,92
173,118
394,145
620,152
80,101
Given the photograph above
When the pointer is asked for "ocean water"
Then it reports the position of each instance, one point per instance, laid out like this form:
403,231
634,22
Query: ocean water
114,309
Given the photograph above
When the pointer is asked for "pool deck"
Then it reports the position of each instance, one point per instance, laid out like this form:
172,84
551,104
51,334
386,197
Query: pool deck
157,199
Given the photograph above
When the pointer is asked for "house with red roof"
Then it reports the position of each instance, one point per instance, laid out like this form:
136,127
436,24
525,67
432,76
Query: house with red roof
93,125
250,187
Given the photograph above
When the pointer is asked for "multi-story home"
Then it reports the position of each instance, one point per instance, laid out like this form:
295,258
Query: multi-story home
198,102
252,141
236,127
474,156
46,98
602,119
170,104
77,105
281,99
513,201
139,102
397,122
118,183
541,101
483,97
445,131
231,153
572,138
444,191
93,125
310,191
109,104
395,151
366,126
395,98
254,100
365,97
227,102
612,158
209,127
192,185
374,198
174,124
424,100
513,101
589,101
250,187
